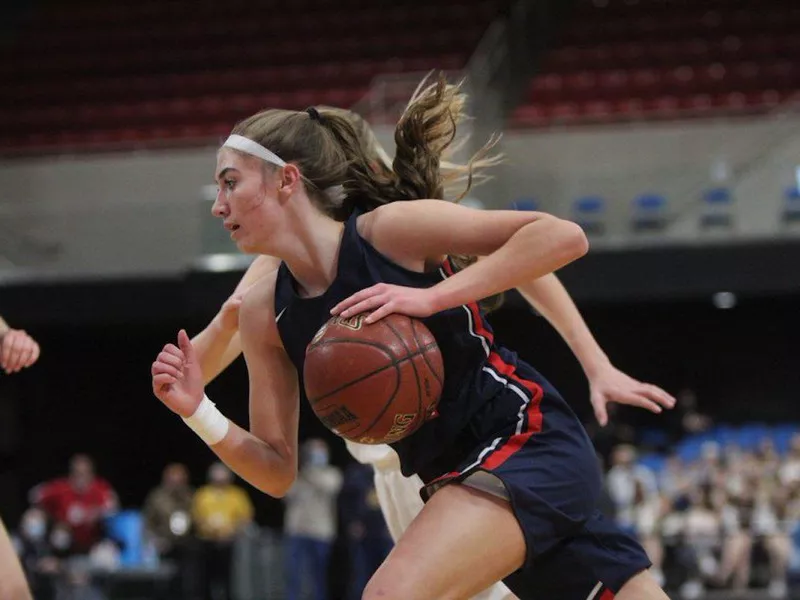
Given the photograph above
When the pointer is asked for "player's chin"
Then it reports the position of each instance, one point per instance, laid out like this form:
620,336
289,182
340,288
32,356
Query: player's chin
245,245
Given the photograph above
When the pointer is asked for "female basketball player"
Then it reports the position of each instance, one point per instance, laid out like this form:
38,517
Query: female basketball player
218,345
511,477
18,351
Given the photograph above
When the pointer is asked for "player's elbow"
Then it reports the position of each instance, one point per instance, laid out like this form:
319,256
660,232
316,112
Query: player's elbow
573,243
280,483
280,489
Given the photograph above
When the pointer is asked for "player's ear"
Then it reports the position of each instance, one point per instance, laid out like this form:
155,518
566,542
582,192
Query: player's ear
289,179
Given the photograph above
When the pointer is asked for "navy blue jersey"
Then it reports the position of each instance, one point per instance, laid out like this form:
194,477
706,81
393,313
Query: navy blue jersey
502,428
474,367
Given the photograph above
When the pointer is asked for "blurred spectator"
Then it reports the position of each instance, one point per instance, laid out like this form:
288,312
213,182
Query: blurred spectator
168,509
622,482
685,418
649,510
220,511
769,531
710,469
167,523
737,545
769,460
81,501
368,539
702,535
674,481
637,504
310,521
35,552
77,583
790,470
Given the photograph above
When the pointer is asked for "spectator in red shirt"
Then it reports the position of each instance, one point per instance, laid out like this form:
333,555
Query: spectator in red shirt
80,500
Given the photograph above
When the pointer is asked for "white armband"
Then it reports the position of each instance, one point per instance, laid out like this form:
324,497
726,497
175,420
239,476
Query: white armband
208,422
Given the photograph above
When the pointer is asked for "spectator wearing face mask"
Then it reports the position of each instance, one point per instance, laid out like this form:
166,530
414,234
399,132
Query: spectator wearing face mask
36,553
310,521
220,510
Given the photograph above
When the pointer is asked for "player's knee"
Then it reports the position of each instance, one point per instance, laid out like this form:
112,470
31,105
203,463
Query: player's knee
375,591
381,588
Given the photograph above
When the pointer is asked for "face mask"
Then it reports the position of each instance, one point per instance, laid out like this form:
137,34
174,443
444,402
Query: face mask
34,529
317,458
61,539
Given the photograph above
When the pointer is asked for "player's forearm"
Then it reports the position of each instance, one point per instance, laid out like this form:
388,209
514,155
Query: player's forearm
266,467
216,349
537,249
548,296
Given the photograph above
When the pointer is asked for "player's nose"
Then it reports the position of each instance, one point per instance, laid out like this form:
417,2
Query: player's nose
219,208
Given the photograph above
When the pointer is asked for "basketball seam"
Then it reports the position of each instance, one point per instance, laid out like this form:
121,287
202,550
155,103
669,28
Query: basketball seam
388,402
425,357
413,366
395,363
398,381
386,405
328,341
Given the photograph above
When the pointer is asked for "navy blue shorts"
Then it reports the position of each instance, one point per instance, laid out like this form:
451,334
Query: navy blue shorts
540,458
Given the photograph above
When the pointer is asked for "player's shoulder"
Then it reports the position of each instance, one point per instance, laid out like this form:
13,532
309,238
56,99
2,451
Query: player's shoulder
259,301
257,314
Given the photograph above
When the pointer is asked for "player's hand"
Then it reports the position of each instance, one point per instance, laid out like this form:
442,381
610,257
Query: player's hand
610,384
227,318
18,351
177,377
384,299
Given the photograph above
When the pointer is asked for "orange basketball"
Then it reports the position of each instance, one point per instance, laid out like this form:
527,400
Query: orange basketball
373,383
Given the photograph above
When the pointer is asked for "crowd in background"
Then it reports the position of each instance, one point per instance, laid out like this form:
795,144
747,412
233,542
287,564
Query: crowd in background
725,520
65,539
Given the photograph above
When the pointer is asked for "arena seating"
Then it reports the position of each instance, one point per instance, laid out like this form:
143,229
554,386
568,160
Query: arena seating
747,437
94,75
633,59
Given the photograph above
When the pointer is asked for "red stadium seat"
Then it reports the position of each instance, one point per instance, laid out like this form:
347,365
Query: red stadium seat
99,75
666,59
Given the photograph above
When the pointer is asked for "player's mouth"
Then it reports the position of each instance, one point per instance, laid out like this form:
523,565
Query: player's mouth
232,227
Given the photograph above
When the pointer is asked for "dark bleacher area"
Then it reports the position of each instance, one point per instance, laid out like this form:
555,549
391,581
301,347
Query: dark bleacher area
95,75
91,75
624,59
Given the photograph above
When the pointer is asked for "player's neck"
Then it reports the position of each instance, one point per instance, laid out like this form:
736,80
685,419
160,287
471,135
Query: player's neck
312,254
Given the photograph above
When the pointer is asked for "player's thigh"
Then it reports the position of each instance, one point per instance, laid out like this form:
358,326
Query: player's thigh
497,591
12,580
462,541
641,587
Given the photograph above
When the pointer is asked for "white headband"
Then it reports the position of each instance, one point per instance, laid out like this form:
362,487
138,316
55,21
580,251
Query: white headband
335,193
248,146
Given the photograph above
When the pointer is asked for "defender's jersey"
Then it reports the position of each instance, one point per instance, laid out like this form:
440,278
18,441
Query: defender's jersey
475,369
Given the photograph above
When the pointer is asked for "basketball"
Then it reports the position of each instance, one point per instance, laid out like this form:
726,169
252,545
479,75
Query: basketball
373,383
